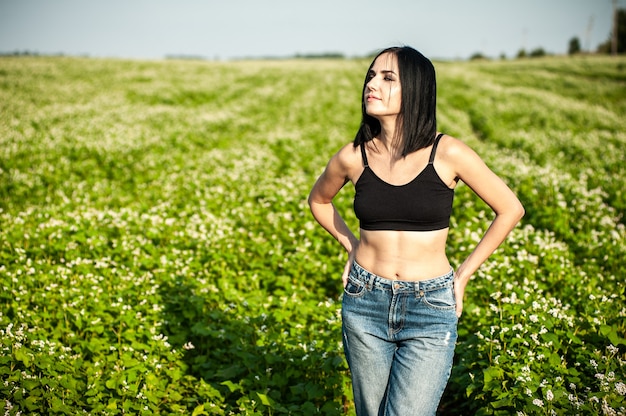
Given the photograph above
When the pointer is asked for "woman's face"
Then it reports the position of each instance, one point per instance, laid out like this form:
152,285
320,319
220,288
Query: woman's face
382,93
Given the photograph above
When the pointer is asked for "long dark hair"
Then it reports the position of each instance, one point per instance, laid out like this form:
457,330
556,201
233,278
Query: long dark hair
417,122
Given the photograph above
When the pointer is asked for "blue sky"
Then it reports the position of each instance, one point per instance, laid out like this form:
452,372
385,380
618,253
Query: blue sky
227,29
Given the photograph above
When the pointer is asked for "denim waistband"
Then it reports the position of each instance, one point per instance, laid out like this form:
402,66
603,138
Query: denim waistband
373,280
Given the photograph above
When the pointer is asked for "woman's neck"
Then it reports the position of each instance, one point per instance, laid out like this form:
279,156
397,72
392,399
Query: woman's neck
391,142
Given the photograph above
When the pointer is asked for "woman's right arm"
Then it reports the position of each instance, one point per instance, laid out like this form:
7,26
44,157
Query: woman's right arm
337,173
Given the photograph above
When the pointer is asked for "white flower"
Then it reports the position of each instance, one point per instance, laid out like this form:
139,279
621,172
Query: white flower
620,388
188,346
538,402
549,395
612,349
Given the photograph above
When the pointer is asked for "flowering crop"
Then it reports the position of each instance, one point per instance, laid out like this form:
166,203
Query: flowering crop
157,254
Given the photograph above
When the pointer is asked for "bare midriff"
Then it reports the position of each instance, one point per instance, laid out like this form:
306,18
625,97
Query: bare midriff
404,255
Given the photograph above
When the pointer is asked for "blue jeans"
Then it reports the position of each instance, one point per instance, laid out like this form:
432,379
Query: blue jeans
399,340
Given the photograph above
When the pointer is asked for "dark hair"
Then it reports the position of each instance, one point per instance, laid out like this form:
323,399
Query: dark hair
417,121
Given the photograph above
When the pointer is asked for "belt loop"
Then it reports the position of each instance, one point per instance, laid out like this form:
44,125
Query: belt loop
419,286
370,281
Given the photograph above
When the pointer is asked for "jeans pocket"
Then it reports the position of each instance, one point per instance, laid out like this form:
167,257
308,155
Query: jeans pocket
442,299
354,288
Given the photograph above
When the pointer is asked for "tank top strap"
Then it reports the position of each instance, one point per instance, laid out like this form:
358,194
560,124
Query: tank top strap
363,155
432,152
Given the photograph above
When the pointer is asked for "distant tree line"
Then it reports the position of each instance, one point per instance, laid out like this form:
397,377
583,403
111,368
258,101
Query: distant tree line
324,55
574,46
27,53
606,47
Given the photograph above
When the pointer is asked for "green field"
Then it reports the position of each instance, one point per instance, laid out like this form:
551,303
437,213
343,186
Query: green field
157,254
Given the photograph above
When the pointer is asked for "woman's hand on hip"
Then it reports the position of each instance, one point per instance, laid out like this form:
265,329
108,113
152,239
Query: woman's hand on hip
348,266
459,294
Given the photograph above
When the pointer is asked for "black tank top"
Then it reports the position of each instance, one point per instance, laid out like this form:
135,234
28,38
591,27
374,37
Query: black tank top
424,204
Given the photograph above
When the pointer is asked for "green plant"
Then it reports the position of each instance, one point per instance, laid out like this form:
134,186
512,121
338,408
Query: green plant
157,254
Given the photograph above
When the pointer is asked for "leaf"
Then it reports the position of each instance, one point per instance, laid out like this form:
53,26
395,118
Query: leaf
314,391
175,396
605,329
616,339
199,410
111,384
30,384
553,338
112,404
31,402
505,402
230,372
21,354
264,399
491,373
611,333
554,360
573,339
231,386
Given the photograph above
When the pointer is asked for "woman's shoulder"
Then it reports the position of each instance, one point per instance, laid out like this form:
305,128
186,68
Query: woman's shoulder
349,155
347,162
459,157
451,148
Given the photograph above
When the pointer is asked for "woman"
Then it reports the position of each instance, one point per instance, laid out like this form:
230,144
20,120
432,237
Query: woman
402,299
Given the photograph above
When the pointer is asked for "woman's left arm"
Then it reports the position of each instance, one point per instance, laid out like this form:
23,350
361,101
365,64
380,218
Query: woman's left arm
471,169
